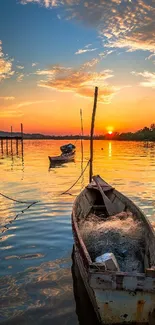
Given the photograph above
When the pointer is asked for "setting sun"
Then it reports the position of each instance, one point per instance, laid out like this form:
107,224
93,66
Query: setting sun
110,132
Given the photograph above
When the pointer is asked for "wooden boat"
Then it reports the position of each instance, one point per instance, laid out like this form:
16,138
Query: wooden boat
62,158
68,154
118,297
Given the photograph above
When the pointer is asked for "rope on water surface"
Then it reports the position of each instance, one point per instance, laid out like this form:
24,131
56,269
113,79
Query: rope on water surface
66,192
24,202
29,203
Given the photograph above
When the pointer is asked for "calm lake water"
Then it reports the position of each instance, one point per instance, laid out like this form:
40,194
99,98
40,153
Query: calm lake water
36,284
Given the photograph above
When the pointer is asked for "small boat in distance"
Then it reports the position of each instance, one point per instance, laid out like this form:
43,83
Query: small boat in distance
68,154
114,247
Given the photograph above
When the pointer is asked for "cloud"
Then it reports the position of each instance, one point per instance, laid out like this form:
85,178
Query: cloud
5,65
6,98
149,78
106,53
51,72
46,3
150,56
86,49
127,24
81,81
90,64
20,67
87,46
34,64
20,76
81,51
34,102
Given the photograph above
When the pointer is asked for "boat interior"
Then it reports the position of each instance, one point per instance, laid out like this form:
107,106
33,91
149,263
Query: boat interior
124,231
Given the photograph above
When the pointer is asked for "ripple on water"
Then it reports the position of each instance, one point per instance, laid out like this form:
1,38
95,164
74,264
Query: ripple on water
35,247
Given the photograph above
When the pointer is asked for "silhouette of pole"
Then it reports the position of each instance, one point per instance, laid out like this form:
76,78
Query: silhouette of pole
2,145
92,133
11,142
22,146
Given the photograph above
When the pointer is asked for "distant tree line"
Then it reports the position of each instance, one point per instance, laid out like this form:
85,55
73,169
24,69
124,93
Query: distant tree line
145,134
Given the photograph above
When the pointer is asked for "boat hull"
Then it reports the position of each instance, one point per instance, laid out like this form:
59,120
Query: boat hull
62,158
117,298
117,307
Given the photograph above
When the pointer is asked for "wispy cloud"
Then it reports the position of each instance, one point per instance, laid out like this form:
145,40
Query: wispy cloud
86,49
35,102
106,53
150,56
88,45
20,77
20,67
127,24
34,64
149,78
90,64
80,81
52,71
7,98
5,65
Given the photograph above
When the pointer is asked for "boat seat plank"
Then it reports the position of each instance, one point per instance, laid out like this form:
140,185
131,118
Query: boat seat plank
111,208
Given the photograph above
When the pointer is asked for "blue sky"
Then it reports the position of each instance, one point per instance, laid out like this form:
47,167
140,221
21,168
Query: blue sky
54,52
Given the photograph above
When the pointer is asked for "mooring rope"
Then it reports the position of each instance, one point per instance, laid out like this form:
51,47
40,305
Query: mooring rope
24,202
29,204
66,192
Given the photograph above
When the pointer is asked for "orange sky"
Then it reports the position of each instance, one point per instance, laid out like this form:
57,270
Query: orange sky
48,73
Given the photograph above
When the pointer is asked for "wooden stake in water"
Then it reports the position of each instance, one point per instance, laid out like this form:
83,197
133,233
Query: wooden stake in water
11,142
82,179
92,133
2,146
22,146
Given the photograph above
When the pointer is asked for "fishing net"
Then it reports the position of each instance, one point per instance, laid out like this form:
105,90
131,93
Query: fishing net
120,235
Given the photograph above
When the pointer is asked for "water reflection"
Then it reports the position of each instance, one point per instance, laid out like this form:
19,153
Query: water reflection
40,295
16,154
57,164
110,149
36,282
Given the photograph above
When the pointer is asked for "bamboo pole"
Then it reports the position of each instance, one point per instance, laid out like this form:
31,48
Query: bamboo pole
81,135
92,133
21,130
82,179
11,142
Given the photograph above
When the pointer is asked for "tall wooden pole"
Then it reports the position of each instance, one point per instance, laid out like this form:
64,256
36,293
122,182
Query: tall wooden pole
81,136
82,179
92,133
11,141
22,147
2,145
21,130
